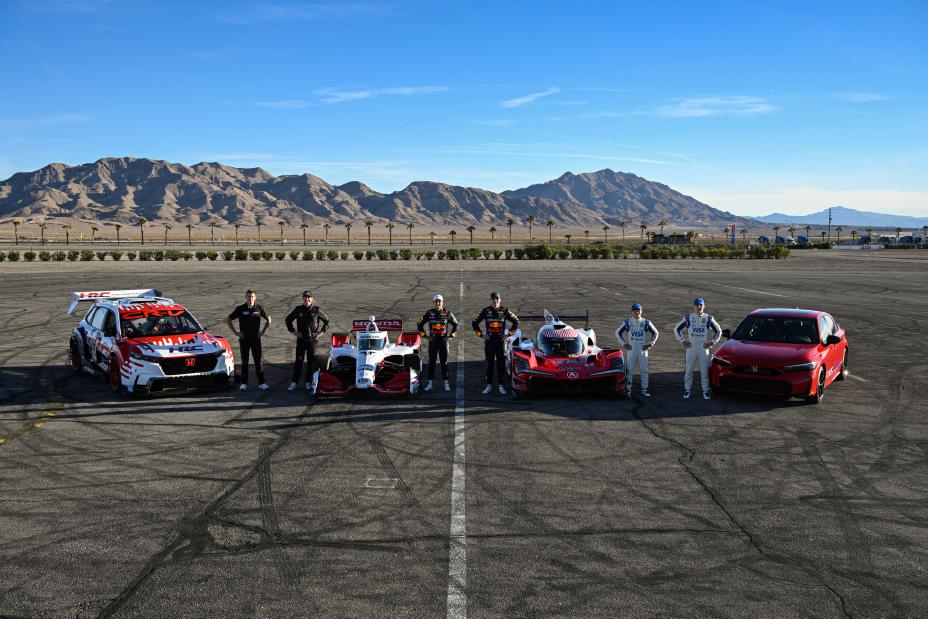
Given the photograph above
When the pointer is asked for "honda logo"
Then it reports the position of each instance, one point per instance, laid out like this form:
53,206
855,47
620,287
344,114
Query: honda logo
190,362
572,375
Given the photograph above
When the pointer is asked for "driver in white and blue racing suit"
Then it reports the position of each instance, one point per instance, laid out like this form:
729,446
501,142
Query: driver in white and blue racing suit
637,335
693,332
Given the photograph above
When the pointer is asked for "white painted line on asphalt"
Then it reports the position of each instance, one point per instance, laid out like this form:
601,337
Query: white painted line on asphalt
772,294
860,378
457,545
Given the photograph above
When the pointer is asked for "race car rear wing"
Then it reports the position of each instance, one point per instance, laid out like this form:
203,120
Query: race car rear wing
77,297
552,319
373,324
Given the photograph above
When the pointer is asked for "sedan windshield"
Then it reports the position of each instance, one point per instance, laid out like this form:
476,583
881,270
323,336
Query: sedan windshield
153,326
370,343
777,329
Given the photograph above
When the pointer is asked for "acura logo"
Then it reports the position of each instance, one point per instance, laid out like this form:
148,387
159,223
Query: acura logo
754,369
190,362
572,375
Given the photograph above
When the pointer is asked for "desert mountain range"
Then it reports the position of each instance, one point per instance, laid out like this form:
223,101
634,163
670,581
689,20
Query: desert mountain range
125,188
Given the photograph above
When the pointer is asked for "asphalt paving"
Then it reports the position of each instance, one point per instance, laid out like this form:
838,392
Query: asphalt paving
227,503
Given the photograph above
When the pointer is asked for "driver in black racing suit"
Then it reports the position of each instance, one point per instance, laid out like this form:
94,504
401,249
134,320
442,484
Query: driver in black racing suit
435,324
494,317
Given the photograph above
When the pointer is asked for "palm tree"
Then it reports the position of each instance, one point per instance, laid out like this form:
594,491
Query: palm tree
586,234
691,236
869,234
510,222
471,229
531,221
492,234
409,227
42,227
212,232
550,224
792,230
16,225
823,236
389,228
432,236
776,232
93,234
237,226
642,227
567,236
854,237
622,225
838,231
452,234
281,223
661,225
924,234
348,231
67,234
303,227
744,236
166,228
189,229
606,234
326,226
118,228
259,223
369,224
808,232
898,230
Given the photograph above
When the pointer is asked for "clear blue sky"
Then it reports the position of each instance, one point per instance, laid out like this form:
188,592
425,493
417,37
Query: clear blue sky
752,107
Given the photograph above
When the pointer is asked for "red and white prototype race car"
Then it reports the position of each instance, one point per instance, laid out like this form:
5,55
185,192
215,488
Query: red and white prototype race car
563,359
143,342
371,363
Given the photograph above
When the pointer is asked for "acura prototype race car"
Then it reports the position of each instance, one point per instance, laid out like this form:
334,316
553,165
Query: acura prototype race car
372,363
143,342
782,352
563,359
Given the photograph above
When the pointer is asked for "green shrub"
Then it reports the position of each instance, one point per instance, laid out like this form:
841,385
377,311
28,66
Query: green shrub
29,256
45,256
453,254
158,255
394,255
294,255
2,256
344,255
497,253
472,253
241,254
418,254
201,255
212,255
86,255
187,255
101,255
74,255
383,254
58,256
116,256
370,255
508,254
131,255
280,255
331,255
429,254
228,255
441,255
308,255
321,254
267,255
563,254
171,254
406,254
255,255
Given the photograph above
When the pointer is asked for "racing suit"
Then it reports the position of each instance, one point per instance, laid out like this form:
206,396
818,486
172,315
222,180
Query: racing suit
249,321
494,343
635,332
695,328
310,322
435,324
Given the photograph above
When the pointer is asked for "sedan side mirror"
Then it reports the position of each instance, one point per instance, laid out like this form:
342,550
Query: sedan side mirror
831,340
726,333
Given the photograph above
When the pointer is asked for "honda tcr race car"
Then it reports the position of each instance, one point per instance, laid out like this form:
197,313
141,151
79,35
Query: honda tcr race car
563,359
143,342
782,352
372,363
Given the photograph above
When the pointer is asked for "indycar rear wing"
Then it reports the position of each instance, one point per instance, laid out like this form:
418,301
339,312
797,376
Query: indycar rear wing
77,297
552,319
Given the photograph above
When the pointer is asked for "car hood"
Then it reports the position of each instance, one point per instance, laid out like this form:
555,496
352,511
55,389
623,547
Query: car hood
766,353
178,345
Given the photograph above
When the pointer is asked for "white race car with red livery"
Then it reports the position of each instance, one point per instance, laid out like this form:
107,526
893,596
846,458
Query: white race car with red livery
371,363
143,342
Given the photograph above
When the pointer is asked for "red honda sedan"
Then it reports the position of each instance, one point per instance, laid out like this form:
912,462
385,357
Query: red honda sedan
784,352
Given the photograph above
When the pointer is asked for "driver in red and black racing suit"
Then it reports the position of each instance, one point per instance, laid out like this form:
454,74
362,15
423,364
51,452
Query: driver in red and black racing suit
435,324
494,316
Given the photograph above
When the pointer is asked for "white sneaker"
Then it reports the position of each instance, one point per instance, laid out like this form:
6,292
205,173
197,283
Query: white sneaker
243,387
292,387
646,393
706,395
447,386
263,387
502,390
428,386
686,395
487,389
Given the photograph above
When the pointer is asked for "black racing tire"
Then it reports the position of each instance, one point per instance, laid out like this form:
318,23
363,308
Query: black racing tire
819,389
718,389
413,362
114,377
76,362
843,373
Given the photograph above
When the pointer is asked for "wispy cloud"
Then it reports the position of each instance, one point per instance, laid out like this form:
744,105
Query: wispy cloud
331,95
70,118
301,11
520,101
860,97
716,106
284,104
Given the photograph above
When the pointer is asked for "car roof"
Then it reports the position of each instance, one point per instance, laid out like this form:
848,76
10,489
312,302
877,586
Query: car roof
127,302
787,312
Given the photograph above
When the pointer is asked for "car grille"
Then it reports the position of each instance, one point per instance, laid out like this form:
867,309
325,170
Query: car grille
178,365
756,371
776,387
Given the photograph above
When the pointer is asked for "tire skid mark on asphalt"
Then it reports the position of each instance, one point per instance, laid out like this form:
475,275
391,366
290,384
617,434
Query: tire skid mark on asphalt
289,572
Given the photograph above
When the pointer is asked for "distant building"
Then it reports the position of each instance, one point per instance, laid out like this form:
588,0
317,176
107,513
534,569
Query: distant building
763,240
670,239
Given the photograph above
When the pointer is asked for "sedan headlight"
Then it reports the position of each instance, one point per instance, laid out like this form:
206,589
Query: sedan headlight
721,361
140,357
801,367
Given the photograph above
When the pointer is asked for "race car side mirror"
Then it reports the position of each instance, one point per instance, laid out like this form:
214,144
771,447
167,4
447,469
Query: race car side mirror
726,333
832,340
339,339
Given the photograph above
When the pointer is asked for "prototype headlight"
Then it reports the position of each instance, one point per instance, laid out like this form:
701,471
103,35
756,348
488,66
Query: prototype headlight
720,361
799,367
617,363
521,364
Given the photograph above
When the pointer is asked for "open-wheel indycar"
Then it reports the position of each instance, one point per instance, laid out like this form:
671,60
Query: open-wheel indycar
563,359
782,352
143,342
371,363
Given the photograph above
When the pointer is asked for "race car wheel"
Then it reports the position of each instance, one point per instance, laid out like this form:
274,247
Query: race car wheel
413,362
819,389
843,373
115,377
76,361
